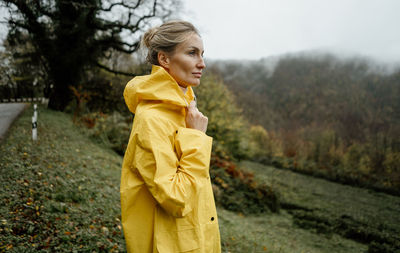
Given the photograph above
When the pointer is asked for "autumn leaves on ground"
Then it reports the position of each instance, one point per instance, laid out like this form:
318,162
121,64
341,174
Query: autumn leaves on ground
60,194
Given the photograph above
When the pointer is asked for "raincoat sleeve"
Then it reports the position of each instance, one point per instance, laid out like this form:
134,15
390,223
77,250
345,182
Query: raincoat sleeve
173,163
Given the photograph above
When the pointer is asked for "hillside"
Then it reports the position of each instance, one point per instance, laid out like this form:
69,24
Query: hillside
325,116
328,208
61,195
307,90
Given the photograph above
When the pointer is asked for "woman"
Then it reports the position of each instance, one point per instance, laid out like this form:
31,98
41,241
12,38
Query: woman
167,201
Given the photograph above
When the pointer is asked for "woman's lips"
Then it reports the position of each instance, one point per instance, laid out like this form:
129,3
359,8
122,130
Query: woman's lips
197,74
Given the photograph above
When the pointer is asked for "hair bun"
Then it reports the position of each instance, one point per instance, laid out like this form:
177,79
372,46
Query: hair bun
148,36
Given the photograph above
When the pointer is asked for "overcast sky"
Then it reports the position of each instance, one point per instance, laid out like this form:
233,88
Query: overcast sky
253,29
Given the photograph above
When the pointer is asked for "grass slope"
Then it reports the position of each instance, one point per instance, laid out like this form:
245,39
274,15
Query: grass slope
329,208
276,233
60,194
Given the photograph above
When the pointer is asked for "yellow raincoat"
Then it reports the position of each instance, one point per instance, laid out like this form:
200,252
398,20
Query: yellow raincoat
167,202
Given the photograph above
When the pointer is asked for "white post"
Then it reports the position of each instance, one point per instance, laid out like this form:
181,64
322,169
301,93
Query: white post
34,129
34,123
35,111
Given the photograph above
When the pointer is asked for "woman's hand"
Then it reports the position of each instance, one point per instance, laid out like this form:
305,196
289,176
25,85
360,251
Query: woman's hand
195,119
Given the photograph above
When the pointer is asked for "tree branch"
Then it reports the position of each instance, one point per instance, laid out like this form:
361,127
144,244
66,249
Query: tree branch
118,45
108,25
153,14
114,71
19,24
44,9
112,42
31,23
122,4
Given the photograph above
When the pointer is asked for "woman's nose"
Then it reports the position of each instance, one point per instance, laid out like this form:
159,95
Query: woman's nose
201,63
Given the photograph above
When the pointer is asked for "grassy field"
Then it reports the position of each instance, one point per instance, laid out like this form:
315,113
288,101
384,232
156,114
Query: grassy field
277,233
61,194
330,209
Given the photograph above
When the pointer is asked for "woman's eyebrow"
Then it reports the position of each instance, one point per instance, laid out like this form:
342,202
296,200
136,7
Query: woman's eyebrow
193,47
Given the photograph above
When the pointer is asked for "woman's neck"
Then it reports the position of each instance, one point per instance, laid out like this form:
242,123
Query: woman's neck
184,89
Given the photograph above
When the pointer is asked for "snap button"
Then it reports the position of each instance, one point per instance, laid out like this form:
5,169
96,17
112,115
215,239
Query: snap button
212,218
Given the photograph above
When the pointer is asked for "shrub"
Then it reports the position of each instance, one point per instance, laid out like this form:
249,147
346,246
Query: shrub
352,157
262,145
226,124
392,162
238,191
112,130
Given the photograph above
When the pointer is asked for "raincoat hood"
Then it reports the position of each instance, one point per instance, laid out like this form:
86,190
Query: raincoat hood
158,86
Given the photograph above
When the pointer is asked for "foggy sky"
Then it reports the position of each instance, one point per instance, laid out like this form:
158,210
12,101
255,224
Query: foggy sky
253,29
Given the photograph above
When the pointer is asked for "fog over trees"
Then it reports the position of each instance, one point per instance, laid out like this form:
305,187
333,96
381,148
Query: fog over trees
327,114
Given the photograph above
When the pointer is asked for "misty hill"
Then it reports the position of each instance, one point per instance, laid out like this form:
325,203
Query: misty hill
302,91
327,111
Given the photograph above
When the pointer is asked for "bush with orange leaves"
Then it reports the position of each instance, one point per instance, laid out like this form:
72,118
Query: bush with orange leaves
238,191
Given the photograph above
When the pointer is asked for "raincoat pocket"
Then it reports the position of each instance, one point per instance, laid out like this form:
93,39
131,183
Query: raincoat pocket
178,241
188,240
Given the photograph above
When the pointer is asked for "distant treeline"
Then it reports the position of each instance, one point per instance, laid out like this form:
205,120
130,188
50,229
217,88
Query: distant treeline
326,116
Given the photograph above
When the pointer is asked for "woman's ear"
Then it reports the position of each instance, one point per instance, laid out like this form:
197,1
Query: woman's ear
163,59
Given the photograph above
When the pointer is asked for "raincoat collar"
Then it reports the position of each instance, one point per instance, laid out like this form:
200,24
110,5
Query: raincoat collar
158,86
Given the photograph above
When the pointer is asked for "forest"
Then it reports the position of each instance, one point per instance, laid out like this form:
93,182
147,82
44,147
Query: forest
323,115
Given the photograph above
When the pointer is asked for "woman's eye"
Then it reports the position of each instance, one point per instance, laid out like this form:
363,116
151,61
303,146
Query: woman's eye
192,52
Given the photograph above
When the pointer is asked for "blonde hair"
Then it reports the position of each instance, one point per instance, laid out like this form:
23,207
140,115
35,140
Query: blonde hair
165,38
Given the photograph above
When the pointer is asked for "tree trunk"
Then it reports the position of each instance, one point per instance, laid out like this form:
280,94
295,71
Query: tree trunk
60,97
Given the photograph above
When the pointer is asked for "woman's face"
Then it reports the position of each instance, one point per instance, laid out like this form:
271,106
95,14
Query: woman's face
185,63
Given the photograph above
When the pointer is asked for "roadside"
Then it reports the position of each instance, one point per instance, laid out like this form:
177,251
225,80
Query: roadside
8,113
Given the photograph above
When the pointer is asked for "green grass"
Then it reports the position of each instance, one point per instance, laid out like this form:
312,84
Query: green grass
277,233
61,194
333,209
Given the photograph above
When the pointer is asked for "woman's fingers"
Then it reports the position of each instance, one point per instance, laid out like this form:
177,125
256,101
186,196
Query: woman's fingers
195,119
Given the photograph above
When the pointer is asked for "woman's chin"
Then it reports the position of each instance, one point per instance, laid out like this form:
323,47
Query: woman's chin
195,83
191,82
